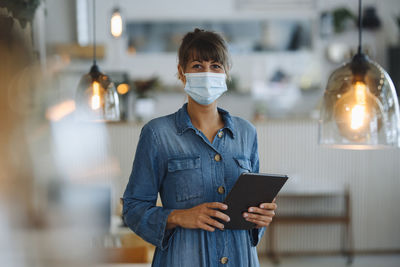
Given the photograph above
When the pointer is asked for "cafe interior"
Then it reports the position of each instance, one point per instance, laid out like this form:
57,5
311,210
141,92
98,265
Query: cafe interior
318,79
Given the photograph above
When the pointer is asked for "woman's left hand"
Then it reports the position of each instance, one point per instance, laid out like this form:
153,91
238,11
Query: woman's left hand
262,215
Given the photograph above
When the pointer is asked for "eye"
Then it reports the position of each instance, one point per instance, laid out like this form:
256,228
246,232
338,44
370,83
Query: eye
216,66
196,66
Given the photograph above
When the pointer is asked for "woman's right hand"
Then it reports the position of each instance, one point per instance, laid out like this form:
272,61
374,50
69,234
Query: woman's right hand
199,217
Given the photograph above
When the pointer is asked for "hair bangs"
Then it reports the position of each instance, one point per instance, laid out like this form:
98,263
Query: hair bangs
203,50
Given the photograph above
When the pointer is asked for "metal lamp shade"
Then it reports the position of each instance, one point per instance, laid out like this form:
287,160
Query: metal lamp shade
360,108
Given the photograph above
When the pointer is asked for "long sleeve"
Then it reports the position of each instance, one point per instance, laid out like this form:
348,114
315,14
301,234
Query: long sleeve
140,211
255,234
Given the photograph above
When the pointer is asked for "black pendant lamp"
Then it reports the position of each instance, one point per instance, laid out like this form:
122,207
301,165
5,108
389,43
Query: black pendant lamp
360,108
96,96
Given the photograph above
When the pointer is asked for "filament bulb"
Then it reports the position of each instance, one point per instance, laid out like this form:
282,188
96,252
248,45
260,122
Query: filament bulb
95,100
116,24
355,112
358,115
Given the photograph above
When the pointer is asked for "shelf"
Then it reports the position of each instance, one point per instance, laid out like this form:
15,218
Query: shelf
311,219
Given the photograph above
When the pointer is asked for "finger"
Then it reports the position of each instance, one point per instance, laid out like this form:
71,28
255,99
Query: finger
214,223
257,217
218,214
260,220
261,211
207,227
273,201
268,206
217,205
259,224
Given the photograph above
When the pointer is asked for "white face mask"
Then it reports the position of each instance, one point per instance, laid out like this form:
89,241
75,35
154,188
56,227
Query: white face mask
205,87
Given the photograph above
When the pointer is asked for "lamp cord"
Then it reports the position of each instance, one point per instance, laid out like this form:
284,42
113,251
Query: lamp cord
94,32
359,27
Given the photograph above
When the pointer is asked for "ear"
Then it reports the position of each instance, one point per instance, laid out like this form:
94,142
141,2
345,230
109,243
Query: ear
181,74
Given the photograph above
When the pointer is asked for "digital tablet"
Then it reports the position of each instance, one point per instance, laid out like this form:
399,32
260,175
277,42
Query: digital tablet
250,190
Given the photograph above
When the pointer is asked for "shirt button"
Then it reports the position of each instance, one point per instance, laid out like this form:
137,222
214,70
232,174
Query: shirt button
224,260
221,189
220,134
217,157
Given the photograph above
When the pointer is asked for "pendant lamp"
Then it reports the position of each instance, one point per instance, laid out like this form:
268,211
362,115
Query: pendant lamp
116,25
360,109
96,96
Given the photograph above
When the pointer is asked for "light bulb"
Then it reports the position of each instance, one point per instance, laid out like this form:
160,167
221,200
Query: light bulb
95,99
356,112
357,116
123,88
116,24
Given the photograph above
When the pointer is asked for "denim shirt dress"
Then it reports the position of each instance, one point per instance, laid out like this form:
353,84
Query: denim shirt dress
177,161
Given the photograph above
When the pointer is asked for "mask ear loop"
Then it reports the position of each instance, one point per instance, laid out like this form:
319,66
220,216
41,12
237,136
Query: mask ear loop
181,76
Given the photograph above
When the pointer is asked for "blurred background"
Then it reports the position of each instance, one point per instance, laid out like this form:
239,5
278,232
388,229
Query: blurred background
63,171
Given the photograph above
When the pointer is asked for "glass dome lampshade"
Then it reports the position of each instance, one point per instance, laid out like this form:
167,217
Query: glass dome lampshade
96,97
360,107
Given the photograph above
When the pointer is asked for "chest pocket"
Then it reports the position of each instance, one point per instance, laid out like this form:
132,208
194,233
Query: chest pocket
186,172
243,164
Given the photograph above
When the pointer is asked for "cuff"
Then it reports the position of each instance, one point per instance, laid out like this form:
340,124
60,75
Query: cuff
167,234
256,235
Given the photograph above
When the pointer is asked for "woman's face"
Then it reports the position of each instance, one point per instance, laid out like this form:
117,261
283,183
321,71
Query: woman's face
197,65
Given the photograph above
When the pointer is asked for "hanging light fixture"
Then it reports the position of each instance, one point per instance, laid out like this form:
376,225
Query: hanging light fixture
360,108
116,23
96,97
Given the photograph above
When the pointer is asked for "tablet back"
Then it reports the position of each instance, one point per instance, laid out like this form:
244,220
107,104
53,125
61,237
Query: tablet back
250,190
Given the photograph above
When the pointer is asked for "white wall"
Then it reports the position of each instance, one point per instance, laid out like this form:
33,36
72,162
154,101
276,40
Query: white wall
60,21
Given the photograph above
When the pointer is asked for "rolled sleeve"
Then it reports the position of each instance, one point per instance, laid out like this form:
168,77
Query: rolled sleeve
140,211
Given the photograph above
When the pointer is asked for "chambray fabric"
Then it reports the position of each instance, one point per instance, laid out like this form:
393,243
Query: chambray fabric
177,161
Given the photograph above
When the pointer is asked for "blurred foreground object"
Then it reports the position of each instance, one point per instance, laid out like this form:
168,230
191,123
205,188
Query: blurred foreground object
360,108
22,10
45,220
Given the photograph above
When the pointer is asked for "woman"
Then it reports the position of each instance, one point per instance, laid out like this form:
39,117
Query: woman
192,158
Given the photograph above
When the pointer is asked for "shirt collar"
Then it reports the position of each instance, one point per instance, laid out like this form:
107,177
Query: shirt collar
184,123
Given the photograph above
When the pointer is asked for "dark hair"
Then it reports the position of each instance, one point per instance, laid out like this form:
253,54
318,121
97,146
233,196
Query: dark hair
204,45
